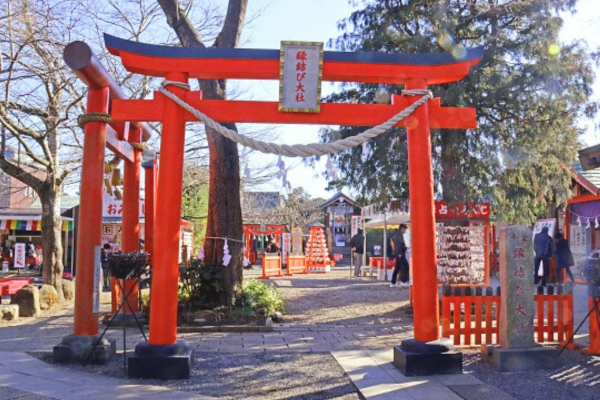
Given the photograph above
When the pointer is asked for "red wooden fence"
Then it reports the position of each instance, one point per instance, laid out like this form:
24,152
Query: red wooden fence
471,316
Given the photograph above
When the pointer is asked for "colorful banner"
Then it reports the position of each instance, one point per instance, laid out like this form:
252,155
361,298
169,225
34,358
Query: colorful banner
30,225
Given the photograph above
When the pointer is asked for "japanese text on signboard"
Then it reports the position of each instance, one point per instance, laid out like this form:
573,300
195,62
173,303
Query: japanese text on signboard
300,77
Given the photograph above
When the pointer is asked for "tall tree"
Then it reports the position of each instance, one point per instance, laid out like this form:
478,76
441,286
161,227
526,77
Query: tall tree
224,216
528,90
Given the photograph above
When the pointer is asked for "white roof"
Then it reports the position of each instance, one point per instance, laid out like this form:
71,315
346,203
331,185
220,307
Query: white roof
390,220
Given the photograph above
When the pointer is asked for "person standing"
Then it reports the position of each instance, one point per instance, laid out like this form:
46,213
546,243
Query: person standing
398,246
357,244
543,248
564,257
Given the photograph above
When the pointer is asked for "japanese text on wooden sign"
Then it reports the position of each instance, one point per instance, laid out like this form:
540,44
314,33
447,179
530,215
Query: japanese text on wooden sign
300,77
460,210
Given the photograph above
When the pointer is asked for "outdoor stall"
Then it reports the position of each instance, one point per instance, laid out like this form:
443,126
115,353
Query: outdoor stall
19,227
463,239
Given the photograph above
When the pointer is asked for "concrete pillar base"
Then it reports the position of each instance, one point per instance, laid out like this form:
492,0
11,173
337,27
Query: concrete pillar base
127,320
173,361
439,357
77,349
521,359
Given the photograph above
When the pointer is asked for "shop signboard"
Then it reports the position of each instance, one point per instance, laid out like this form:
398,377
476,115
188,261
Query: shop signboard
461,211
297,241
19,255
550,223
301,70
111,207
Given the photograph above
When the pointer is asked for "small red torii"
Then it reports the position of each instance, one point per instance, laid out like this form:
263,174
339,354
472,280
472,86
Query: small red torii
414,71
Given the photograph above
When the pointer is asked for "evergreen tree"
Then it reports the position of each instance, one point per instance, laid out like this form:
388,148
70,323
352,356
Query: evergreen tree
528,90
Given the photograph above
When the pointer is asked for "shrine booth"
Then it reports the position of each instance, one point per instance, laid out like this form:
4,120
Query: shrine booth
256,237
580,218
464,243
339,210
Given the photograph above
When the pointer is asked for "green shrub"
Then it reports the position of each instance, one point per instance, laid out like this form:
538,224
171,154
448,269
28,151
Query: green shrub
200,286
258,299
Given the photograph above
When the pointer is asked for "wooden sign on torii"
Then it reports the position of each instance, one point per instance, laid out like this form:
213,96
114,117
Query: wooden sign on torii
414,71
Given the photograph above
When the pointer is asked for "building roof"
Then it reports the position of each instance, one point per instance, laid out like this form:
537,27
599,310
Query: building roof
589,179
341,197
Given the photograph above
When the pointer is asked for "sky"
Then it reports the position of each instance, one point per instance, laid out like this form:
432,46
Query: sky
316,20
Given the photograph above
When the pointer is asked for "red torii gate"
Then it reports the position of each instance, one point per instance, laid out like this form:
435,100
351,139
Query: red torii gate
178,64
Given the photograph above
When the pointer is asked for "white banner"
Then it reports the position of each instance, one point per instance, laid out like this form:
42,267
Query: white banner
111,207
297,241
578,240
300,76
19,261
286,240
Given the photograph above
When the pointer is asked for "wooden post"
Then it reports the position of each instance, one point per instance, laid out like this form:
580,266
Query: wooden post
165,273
89,232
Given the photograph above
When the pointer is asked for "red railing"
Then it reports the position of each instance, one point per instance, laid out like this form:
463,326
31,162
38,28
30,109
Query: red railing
471,316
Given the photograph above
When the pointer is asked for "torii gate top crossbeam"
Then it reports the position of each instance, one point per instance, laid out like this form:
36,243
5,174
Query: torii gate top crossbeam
226,63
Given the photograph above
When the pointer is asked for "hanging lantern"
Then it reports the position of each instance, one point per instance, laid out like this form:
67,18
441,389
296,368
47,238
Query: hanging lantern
108,186
116,177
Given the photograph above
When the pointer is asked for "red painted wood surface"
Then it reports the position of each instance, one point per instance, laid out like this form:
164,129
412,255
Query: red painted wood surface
594,344
10,286
90,215
296,265
336,71
475,320
377,262
271,266
238,111
165,272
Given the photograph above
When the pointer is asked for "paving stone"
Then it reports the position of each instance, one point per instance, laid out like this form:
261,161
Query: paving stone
430,392
479,391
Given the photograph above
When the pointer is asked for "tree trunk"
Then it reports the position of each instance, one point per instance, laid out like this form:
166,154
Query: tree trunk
51,238
453,189
225,216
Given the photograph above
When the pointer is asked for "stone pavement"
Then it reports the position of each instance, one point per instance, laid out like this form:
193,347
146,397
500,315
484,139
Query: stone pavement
26,378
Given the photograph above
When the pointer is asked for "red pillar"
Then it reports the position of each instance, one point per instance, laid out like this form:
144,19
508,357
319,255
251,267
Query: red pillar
150,208
422,218
165,272
90,215
130,235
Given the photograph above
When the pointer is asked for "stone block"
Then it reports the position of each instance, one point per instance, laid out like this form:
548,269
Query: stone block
520,359
127,320
28,300
161,362
415,358
80,349
9,312
68,288
48,297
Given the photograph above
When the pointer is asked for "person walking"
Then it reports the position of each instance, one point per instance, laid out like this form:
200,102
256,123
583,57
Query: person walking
357,244
543,248
398,246
564,258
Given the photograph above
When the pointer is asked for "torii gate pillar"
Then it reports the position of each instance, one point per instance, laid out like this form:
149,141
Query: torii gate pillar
426,354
